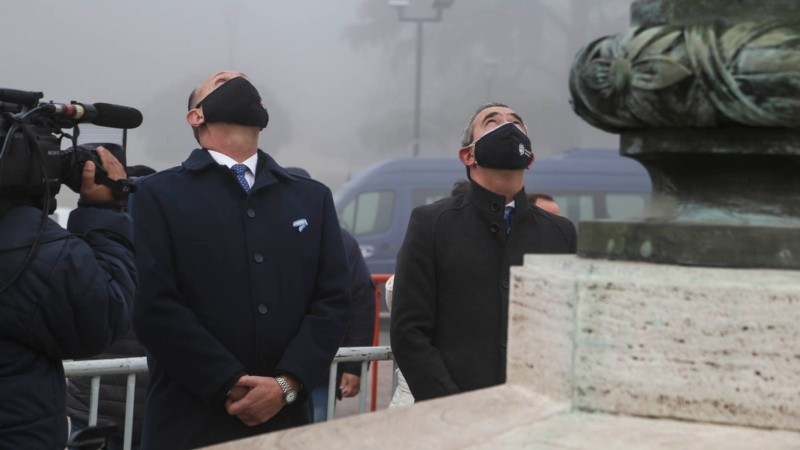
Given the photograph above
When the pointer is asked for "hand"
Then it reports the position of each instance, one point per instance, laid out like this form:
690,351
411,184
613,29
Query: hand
264,398
93,192
236,393
350,384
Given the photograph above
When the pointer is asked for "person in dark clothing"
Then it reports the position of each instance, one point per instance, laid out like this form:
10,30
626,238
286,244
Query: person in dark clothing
449,320
71,302
545,202
360,330
111,409
113,389
244,291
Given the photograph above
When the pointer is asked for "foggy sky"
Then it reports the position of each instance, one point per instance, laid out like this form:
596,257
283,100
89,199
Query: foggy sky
149,54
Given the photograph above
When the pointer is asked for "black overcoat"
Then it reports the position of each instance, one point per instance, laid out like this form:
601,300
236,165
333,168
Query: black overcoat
233,283
449,319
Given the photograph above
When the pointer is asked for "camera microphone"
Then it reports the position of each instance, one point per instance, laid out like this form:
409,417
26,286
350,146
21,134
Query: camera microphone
116,116
100,114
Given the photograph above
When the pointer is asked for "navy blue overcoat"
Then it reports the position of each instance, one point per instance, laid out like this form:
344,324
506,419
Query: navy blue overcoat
233,283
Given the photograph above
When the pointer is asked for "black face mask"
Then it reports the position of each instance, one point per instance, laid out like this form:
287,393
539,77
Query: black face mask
505,147
236,101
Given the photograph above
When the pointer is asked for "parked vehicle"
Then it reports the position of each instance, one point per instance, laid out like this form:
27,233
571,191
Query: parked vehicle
375,205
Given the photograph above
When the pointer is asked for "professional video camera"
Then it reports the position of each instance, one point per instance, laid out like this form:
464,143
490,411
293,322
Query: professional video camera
32,164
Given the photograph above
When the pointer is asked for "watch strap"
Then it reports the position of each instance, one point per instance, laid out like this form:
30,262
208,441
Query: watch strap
286,388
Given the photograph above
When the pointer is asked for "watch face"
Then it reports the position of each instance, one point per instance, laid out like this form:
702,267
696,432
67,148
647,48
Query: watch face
291,396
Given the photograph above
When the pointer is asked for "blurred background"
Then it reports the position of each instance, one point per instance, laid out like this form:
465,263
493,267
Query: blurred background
340,78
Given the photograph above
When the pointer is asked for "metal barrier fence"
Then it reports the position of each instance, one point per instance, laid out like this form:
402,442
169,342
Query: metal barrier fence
131,366
379,279
365,355
99,367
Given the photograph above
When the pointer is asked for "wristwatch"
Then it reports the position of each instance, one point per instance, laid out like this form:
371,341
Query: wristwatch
289,394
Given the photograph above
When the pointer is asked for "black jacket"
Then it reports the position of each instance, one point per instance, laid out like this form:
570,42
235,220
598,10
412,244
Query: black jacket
449,316
361,326
70,303
360,330
233,283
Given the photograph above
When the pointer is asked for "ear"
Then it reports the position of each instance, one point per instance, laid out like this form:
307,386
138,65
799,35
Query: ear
195,117
467,156
533,158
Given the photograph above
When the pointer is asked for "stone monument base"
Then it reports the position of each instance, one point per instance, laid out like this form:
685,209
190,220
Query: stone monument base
613,355
697,344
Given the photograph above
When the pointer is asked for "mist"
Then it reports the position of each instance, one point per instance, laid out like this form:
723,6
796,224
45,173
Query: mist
336,76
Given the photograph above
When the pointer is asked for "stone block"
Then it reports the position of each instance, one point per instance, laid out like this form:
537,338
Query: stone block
699,344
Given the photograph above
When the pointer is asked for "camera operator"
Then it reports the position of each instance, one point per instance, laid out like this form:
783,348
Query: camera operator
63,295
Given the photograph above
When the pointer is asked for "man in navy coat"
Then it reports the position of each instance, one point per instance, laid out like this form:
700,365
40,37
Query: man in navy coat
244,282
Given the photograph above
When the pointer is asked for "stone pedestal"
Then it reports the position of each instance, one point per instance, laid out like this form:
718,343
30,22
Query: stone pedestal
698,344
610,355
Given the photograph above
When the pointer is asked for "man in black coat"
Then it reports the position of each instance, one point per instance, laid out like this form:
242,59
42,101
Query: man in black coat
70,302
244,285
449,321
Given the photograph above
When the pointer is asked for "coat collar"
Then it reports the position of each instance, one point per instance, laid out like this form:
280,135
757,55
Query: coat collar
492,203
267,170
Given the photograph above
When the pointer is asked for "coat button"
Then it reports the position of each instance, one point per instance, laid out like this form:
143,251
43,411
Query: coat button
495,206
262,309
258,257
503,346
493,228
251,212
505,284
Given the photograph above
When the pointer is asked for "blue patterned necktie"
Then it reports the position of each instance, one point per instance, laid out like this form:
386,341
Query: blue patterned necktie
507,217
240,170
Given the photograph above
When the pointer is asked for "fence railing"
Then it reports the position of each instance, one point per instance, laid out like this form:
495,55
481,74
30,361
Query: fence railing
379,279
97,368
365,355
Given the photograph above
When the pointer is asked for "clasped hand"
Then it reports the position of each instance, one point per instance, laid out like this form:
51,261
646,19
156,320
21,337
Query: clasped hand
254,400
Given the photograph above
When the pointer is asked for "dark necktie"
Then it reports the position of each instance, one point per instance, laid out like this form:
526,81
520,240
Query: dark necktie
507,216
240,170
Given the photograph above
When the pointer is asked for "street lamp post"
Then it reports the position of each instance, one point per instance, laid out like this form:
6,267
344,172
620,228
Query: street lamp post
439,6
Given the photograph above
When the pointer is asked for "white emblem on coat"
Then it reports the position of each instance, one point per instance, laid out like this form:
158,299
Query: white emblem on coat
300,224
366,250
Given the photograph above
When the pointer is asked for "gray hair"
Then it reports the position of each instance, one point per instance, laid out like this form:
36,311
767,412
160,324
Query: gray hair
466,137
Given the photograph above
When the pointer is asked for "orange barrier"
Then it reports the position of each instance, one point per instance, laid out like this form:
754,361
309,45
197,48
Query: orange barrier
379,279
